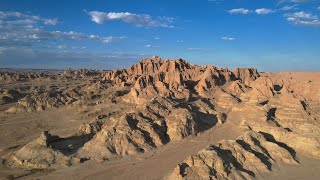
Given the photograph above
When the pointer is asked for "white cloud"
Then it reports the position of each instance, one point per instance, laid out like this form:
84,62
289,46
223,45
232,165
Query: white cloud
318,8
264,11
301,15
156,38
130,18
151,46
71,35
27,38
304,19
228,38
18,29
21,18
34,36
309,23
179,41
239,11
51,21
166,19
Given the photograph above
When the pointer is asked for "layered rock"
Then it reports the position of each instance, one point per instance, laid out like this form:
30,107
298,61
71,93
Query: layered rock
175,79
134,133
247,76
244,158
127,136
39,154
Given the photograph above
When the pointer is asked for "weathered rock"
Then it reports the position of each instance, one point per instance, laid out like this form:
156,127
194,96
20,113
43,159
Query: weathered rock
243,158
39,155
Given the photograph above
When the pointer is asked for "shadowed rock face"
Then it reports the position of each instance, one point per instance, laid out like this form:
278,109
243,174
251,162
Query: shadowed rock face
159,101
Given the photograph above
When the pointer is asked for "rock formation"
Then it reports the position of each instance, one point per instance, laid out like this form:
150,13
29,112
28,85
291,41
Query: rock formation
158,101
39,155
244,158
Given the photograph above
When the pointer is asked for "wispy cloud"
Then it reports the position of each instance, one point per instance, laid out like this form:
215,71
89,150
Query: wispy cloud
142,20
288,8
31,36
25,19
264,11
301,15
228,38
180,41
19,29
304,19
239,11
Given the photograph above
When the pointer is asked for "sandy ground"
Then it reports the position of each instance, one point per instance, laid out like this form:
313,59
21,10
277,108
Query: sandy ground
18,130
308,169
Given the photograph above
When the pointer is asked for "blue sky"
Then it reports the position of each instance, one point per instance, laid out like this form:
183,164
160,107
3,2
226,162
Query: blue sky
272,35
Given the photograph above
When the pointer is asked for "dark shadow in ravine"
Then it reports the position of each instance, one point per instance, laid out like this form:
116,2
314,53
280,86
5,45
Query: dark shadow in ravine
70,145
264,159
270,138
204,121
230,161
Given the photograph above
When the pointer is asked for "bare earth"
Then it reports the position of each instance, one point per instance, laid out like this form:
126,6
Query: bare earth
160,119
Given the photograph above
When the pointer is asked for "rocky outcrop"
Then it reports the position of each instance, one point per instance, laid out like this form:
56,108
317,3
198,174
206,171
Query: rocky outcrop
46,100
13,76
175,79
39,154
9,96
262,90
243,158
246,75
81,73
134,133
51,98
128,135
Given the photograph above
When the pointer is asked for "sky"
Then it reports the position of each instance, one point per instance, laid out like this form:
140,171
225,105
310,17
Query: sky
271,35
